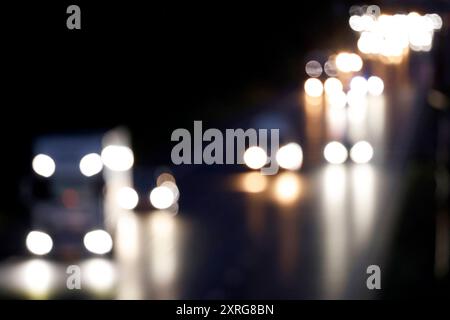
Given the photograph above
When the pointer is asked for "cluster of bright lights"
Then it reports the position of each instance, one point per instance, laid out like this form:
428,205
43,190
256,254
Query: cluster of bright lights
391,36
90,165
116,158
97,241
289,157
336,153
344,62
314,69
165,195
359,87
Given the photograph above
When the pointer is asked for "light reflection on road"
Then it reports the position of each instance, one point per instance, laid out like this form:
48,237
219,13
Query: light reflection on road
335,234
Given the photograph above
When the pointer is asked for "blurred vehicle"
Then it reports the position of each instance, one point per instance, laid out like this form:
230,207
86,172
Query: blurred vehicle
75,181
67,195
